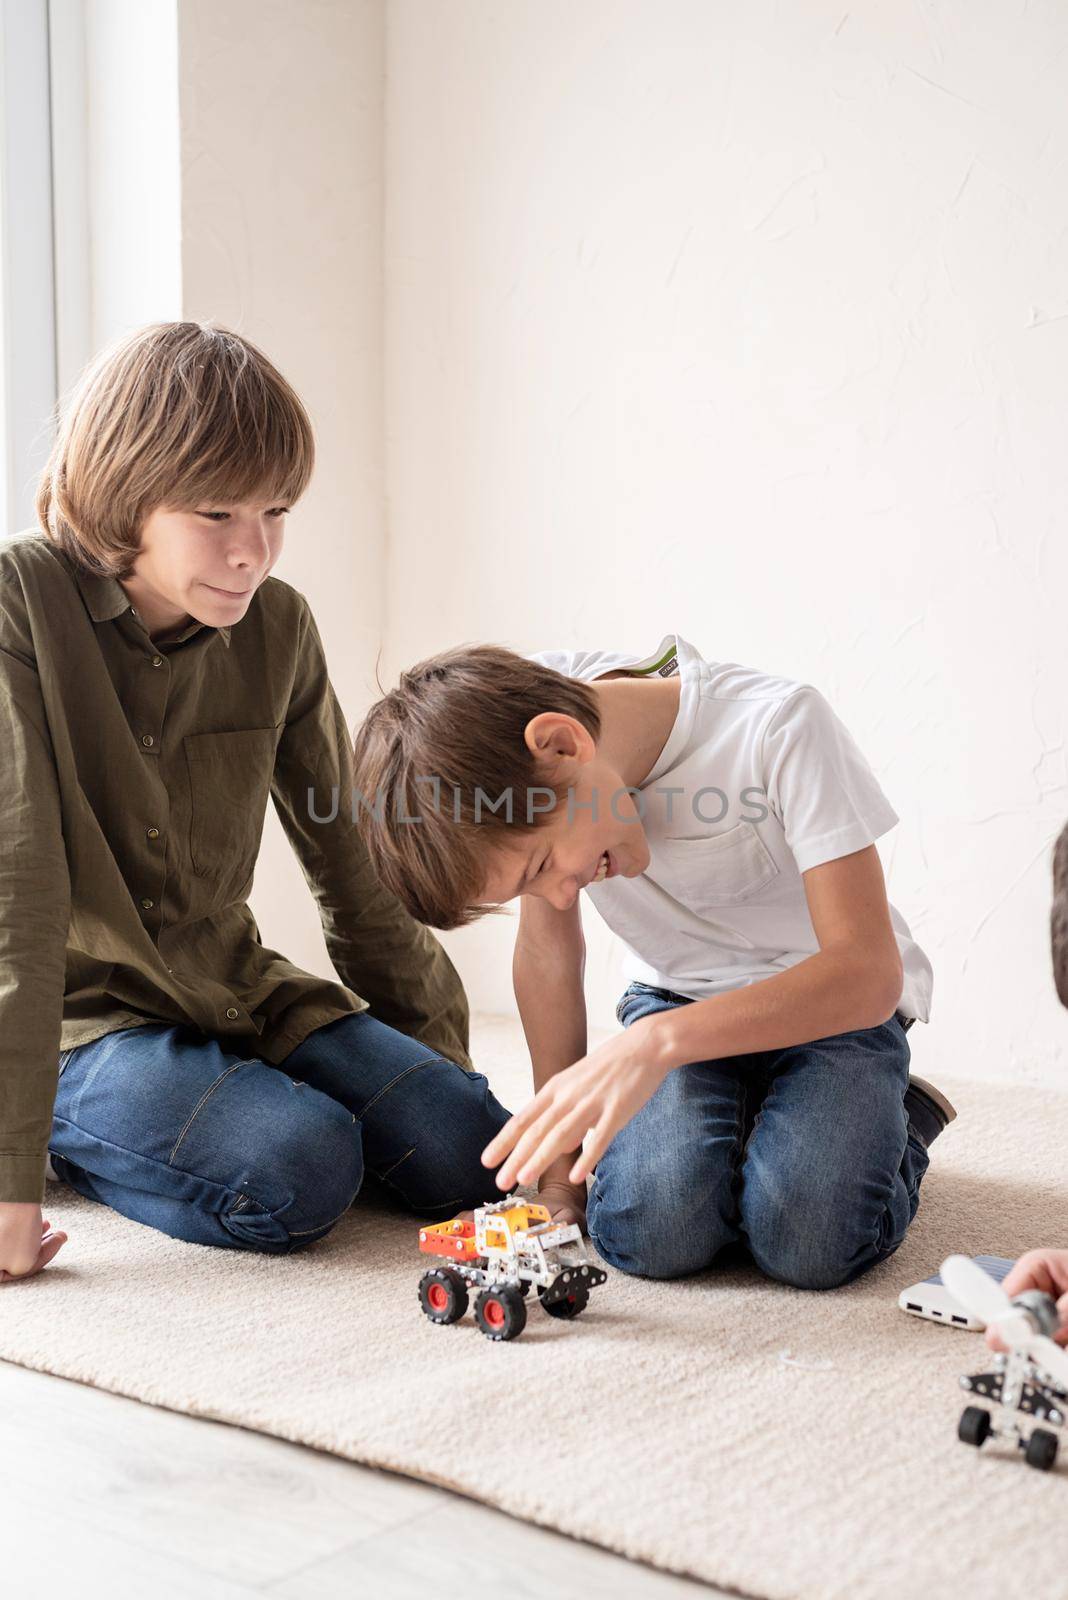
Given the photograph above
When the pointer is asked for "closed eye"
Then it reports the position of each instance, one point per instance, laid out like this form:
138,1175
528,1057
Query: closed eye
532,877
221,516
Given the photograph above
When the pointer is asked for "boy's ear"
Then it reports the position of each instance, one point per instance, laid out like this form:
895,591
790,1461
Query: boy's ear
557,742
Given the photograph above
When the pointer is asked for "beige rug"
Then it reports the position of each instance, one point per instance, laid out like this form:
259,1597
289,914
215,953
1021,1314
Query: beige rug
665,1424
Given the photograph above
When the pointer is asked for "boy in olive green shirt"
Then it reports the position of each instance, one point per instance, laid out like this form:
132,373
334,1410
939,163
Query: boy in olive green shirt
156,686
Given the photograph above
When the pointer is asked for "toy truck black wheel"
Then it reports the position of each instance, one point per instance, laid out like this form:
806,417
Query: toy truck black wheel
1041,1449
443,1294
974,1425
501,1313
576,1300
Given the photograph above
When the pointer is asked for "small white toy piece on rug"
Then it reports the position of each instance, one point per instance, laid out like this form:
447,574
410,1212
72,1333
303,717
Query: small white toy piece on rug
501,1250
1031,1379
788,1359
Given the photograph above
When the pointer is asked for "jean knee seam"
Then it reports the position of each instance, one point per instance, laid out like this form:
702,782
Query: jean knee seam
415,1067
205,1097
382,1176
439,1205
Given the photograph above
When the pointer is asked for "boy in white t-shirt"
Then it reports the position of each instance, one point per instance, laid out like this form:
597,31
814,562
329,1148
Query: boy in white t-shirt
722,821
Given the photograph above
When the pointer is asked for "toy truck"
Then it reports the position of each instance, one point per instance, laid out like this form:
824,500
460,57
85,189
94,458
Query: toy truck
501,1251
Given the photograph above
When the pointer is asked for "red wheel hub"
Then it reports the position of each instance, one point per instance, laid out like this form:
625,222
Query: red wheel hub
437,1296
494,1313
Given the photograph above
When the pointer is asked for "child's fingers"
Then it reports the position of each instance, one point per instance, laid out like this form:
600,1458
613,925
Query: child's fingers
502,1142
526,1147
50,1247
51,1244
560,1137
498,1146
593,1148
506,1137
549,1140
1037,1269
1061,1336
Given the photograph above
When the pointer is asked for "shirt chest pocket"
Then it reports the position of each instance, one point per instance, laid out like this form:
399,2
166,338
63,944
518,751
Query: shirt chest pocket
716,870
229,786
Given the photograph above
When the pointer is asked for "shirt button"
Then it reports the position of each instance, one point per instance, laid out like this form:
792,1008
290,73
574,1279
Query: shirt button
153,833
232,1012
148,904
147,739
157,661
170,969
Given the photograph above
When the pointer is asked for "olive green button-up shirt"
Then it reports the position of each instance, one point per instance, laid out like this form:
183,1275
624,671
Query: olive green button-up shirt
134,779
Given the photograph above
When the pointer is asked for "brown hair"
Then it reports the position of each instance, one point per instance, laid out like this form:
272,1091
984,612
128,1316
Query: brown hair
457,718
177,414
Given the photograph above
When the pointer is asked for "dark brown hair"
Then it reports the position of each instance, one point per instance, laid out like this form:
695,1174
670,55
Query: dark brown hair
457,718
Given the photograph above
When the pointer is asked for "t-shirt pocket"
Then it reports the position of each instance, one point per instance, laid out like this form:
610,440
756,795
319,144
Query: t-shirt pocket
713,870
230,784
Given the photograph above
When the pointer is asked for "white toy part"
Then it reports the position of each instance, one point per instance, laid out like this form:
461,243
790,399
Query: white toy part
535,1254
1032,1379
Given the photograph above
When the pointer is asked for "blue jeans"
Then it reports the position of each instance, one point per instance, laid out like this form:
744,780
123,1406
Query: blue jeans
175,1129
800,1158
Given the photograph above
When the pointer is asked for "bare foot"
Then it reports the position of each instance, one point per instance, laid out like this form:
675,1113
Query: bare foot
566,1201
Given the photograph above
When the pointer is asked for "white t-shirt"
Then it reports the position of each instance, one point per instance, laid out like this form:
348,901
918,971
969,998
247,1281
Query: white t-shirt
759,781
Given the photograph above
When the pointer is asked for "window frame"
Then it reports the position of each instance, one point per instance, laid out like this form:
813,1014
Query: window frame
44,233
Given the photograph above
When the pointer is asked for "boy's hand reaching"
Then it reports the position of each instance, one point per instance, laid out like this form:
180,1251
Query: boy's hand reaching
25,1242
584,1105
1039,1269
566,1201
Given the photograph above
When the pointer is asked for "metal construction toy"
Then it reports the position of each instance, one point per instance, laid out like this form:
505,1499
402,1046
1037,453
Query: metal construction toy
1031,1379
504,1249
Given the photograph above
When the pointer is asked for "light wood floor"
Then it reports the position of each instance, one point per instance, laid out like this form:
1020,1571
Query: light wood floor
104,1496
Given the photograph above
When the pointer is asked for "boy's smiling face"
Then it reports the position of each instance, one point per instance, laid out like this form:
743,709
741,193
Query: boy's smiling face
564,853
204,564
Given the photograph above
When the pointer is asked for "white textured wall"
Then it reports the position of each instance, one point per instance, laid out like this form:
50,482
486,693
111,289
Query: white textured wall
281,160
751,322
